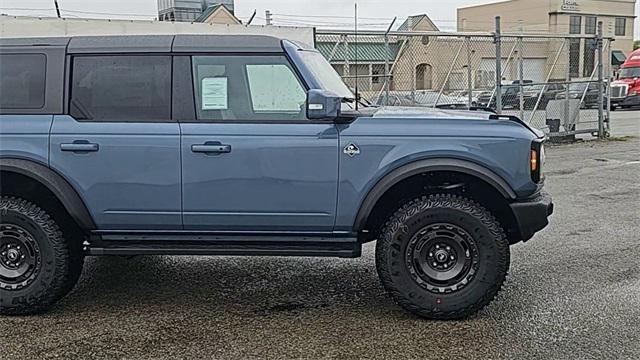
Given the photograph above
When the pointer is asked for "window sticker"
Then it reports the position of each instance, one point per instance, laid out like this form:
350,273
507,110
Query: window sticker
215,94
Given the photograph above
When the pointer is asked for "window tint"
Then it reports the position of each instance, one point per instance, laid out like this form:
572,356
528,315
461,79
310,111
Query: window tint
121,88
247,88
22,81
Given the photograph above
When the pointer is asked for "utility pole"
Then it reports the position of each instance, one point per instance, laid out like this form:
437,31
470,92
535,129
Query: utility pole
55,2
268,18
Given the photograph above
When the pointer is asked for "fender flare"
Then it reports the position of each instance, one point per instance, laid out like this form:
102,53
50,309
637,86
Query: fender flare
423,166
56,184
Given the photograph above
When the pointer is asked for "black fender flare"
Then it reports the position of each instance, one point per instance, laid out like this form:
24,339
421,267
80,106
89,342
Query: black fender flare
424,166
56,184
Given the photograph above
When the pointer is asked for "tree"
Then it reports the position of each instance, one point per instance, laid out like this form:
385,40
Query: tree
636,45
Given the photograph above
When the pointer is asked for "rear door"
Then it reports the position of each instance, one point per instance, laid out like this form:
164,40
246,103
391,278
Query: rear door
251,161
117,144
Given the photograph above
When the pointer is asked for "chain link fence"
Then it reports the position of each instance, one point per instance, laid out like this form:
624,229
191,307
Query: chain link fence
553,82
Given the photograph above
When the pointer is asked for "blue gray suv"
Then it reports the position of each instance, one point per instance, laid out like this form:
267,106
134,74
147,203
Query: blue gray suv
248,145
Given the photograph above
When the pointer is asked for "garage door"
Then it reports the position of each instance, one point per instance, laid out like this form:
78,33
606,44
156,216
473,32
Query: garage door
534,69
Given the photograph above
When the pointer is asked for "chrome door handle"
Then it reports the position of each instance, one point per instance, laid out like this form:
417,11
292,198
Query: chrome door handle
80,147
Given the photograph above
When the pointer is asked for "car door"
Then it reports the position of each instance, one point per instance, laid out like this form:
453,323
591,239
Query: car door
117,143
251,161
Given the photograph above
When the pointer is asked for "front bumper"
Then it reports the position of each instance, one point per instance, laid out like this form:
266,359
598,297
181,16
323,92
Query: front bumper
532,214
633,100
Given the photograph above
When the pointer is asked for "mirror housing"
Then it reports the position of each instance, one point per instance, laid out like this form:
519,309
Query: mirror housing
323,105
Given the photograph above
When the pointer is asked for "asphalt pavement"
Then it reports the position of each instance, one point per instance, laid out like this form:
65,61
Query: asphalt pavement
573,293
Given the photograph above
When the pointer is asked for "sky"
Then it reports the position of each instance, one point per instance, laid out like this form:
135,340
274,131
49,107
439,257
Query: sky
373,14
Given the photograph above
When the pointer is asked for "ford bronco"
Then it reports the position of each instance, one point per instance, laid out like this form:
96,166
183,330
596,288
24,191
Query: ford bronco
248,145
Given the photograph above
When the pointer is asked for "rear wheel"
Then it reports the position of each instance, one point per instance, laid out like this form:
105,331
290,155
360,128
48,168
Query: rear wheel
442,257
37,265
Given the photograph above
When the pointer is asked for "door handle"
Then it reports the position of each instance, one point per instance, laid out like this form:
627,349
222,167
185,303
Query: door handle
211,147
78,146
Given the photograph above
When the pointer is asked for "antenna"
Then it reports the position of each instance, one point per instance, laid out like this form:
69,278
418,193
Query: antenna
55,2
356,51
252,17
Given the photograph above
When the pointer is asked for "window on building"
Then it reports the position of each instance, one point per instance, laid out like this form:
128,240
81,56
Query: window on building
377,72
575,24
621,27
22,81
247,88
574,57
424,77
590,46
121,88
591,25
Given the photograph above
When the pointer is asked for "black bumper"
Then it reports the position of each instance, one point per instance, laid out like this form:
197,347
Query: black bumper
532,214
631,101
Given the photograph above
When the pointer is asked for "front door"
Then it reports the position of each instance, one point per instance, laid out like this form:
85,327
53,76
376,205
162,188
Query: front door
251,161
118,145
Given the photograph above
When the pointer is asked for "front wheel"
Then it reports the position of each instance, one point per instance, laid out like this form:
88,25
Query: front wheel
38,266
442,257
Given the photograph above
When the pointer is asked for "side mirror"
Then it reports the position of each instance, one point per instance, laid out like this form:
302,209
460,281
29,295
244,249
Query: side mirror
323,105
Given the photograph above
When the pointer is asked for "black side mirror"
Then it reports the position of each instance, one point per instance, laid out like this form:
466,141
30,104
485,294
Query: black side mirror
323,105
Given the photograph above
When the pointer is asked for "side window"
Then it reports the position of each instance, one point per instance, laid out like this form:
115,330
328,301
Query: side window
22,81
134,88
275,88
247,88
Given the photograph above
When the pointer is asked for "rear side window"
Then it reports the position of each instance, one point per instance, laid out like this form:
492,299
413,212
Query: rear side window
22,81
121,88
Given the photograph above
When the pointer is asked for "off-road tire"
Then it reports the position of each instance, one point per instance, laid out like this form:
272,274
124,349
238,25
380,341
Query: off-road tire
408,222
60,262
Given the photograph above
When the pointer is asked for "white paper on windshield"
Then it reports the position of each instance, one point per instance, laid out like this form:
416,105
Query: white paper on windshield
214,93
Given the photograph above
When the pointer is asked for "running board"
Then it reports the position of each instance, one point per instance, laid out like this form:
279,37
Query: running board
127,245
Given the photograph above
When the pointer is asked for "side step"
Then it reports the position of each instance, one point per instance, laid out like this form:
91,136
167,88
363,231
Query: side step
127,245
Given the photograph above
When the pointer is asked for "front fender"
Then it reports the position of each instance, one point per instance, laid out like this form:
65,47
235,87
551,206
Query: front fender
428,165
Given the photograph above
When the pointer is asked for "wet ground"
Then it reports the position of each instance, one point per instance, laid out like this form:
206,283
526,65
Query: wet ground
573,293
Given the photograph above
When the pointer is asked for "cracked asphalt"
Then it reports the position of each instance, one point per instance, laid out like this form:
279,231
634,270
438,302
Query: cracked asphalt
573,293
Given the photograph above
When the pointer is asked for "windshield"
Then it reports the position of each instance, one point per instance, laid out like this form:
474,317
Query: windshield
633,72
576,87
326,75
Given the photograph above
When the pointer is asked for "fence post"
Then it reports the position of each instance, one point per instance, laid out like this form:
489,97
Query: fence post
567,98
387,74
469,80
601,133
521,75
498,40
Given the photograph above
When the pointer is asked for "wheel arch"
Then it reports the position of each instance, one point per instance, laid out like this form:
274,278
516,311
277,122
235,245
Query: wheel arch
56,184
406,171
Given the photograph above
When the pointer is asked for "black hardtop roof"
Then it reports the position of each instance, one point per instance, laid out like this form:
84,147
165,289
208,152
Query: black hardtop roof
155,43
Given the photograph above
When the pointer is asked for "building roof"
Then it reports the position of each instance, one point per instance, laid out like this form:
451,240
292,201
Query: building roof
416,21
211,10
367,51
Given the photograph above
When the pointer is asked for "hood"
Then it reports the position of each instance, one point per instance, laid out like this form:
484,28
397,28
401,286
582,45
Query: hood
430,113
438,114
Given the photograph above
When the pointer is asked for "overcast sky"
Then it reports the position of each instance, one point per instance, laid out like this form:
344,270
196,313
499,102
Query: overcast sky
328,13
